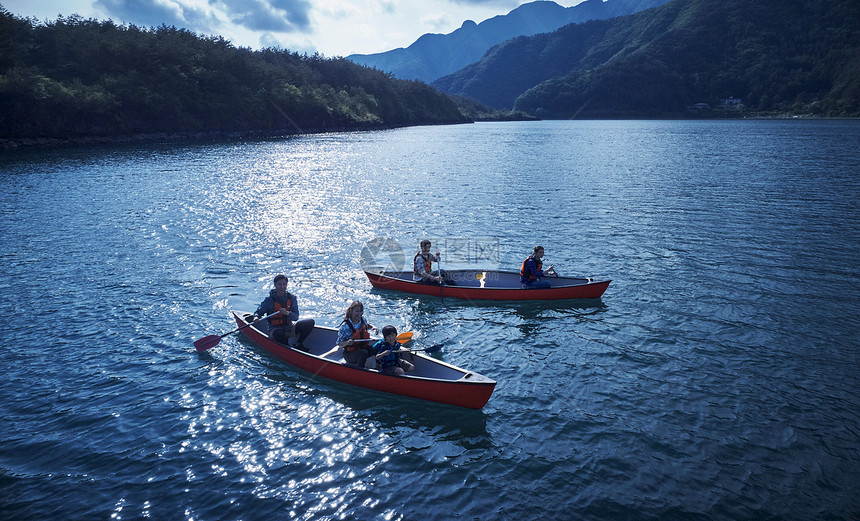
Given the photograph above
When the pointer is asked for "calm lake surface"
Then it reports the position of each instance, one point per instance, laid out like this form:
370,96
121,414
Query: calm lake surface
717,378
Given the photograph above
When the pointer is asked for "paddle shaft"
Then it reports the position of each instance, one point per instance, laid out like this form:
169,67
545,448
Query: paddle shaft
208,342
401,338
270,315
429,349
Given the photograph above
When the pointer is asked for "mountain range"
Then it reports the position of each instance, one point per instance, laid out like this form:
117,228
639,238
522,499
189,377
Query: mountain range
435,55
683,56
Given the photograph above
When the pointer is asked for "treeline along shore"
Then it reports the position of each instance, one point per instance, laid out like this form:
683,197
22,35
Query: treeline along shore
80,80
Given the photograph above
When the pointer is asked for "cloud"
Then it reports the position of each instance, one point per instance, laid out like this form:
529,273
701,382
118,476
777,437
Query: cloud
269,15
436,21
269,40
489,3
387,7
153,13
279,16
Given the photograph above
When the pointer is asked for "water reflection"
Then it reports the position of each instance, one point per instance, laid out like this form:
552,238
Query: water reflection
313,442
432,305
572,307
469,318
166,240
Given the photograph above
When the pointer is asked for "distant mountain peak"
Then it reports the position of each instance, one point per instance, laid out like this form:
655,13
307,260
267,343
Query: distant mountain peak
432,56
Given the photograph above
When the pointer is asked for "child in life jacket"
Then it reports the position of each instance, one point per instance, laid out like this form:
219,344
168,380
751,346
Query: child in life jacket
387,352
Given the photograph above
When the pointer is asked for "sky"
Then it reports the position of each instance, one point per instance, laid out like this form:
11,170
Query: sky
330,27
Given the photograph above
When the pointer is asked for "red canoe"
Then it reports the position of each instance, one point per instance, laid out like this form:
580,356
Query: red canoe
489,285
432,379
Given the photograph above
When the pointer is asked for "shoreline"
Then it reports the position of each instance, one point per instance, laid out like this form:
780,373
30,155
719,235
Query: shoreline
151,137
10,144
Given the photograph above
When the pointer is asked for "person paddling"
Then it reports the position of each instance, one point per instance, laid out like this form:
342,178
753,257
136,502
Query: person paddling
285,323
532,273
422,267
387,352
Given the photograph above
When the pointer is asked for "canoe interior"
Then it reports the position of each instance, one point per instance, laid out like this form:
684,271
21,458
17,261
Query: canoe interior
489,285
323,339
490,279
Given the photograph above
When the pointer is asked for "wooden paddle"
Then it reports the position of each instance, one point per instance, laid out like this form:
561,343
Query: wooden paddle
208,342
402,338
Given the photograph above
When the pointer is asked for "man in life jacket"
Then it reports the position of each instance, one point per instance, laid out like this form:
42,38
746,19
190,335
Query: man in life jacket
422,267
532,273
285,324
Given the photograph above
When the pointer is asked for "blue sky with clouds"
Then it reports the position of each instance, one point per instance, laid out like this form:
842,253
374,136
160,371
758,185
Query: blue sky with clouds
331,27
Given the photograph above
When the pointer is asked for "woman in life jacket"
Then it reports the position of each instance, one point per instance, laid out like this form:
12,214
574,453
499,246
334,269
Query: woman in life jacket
286,323
353,335
532,273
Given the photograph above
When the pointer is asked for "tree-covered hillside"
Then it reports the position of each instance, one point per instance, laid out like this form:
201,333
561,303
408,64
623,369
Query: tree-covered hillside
767,55
77,78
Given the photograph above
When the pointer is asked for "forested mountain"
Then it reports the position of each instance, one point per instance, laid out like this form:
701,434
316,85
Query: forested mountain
761,55
435,55
76,77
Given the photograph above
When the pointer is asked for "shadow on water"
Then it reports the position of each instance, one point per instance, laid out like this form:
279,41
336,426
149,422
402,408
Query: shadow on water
527,309
578,307
447,422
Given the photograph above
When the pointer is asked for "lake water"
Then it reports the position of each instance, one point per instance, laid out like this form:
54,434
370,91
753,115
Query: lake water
716,379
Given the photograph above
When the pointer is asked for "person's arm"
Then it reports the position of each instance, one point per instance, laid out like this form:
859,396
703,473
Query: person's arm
264,308
382,354
436,259
418,266
344,336
370,326
425,274
294,309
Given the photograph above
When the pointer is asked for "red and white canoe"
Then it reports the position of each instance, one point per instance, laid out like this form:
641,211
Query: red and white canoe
489,285
432,379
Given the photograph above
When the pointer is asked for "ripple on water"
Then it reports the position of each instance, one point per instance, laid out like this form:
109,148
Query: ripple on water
714,380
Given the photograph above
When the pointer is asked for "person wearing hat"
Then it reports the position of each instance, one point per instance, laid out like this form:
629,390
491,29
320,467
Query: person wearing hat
285,324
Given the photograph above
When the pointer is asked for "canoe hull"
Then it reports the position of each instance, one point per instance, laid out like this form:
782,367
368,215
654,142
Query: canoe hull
432,380
497,285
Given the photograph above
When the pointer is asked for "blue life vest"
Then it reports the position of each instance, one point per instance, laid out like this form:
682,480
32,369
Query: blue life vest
390,360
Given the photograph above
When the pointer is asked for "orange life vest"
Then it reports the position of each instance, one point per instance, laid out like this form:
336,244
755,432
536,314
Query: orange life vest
357,334
428,263
538,267
280,320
